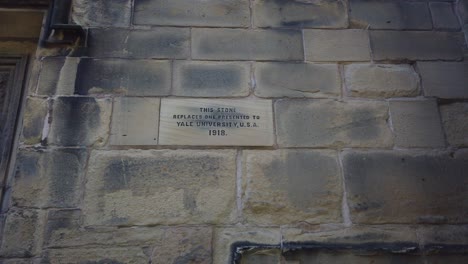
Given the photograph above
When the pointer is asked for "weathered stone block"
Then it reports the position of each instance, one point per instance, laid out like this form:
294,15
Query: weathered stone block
381,80
129,77
80,121
225,13
21,233
454,119
135,121
241,44
390,14
326,123
415,45
406,187
226,239
336,45
291,186
297,80
349,256
444,79
416,124
57,76
211,79
49,179
170,244
160,187
92,13
444,16
304,14
134,255
34,117
155,43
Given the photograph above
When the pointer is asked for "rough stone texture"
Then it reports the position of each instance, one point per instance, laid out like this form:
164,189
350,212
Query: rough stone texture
444,79
117,255
135,121
415,45
291,186
21,233
336,45
79,121
226,238
211,79
240,44
168,244
224,13
57,76
326,123
129,77
92,13
303,14
406,187
416,124
381,80
156,187
396,14
49,179
154,43
20,24
443,16
35,113
297,80
454,119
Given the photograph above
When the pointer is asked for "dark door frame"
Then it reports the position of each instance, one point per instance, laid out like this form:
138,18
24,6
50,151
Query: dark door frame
10,119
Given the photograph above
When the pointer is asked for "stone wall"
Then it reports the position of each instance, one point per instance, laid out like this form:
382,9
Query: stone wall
370,160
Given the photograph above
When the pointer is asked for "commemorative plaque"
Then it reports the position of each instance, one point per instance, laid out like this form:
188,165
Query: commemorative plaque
216,122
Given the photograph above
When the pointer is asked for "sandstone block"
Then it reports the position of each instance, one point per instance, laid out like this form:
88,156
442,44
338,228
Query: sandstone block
170,244
49,179
225,13
397,14
34,117
415,45
326,123
416,124
211,79
444,79
95,13
156,43
134,255
336,45
303,14
454,120
128,77
160,187
444,16
406,187
57,76
227,239
79,121
291,186
297,80
135,121
21,233
241,44
381,80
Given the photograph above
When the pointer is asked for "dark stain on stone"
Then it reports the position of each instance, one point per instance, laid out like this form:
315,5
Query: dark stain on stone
197,255
117,175
211,78
61,219
364,125
27,165
303,175
75,118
